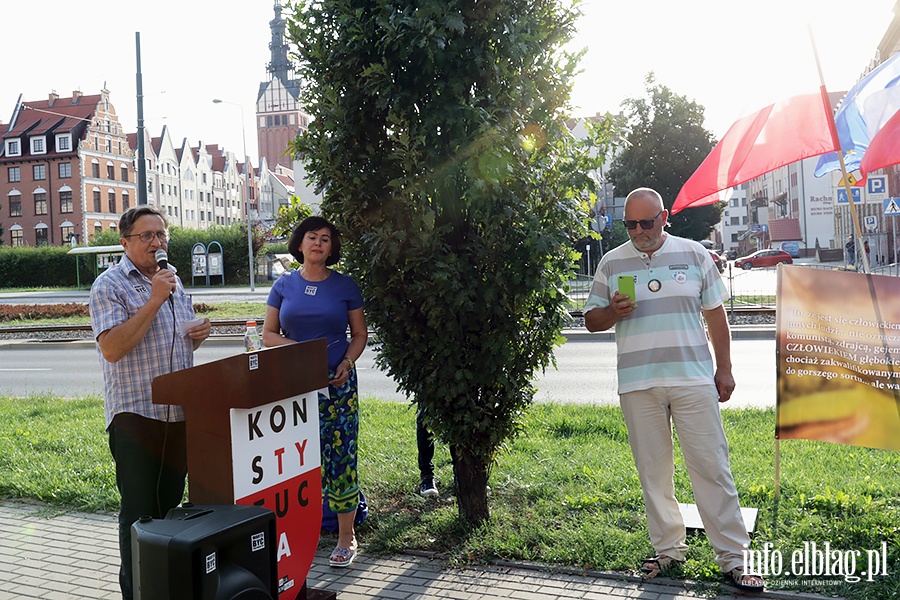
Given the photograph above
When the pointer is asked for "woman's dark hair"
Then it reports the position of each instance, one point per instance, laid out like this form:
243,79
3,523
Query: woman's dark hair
314,224
128,219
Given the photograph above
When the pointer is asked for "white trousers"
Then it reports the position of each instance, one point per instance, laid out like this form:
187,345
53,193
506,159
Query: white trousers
649,415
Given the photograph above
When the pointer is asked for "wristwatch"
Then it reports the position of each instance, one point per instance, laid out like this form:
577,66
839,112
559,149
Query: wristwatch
350,361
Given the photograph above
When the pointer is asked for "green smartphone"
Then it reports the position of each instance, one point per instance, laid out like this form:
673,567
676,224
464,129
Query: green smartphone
626,286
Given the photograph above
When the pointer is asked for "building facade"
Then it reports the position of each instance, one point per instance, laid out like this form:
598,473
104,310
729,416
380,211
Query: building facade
66,170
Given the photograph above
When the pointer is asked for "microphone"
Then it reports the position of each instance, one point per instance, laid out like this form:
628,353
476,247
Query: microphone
162,259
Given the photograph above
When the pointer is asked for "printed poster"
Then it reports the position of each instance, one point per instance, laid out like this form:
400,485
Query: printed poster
838,344
276,462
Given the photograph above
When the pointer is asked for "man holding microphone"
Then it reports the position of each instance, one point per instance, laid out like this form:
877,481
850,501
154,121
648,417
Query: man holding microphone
145,326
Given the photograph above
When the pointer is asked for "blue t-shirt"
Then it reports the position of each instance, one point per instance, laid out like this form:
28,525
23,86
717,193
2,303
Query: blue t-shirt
309,310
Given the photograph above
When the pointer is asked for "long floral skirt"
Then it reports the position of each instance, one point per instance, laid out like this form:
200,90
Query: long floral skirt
338,430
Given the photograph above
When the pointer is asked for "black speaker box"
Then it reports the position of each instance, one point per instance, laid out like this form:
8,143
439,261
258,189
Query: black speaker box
206,552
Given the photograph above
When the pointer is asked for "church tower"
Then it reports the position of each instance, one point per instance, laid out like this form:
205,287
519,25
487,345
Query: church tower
279,115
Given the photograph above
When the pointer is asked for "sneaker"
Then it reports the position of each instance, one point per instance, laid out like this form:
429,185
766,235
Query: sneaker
427,489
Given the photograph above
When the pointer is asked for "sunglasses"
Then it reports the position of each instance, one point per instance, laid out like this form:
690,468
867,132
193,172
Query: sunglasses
644,223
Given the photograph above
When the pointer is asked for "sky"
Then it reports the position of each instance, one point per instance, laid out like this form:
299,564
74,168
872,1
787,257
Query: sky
732,57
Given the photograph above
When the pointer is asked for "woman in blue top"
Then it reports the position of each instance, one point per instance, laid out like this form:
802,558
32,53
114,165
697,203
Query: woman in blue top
317,302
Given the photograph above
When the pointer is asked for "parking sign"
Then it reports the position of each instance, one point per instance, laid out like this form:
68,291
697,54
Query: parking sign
871,222
877,185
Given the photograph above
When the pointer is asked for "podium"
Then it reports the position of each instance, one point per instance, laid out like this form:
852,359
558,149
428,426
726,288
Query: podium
252,423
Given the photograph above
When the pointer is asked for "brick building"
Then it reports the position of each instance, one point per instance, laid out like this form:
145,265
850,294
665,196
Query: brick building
66,170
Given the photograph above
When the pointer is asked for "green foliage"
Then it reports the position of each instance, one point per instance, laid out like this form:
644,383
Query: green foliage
42,266
289,216
233,239
52,266
664,145
615,236
440,142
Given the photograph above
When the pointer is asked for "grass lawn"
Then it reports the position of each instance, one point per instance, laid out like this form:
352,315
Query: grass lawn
565,492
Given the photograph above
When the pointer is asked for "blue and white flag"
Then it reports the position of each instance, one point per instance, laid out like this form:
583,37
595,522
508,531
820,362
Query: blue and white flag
863,112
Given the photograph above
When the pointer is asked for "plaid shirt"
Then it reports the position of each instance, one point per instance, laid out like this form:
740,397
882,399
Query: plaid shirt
116,296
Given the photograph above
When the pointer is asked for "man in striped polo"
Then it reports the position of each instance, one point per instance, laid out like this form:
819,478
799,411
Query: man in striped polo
666,374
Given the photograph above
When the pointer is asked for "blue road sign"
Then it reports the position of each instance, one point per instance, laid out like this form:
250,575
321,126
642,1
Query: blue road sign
842,195
876,185
892,207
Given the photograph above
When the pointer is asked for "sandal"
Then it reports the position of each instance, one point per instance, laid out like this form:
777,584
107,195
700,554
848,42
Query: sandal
660,563
737,578
342,557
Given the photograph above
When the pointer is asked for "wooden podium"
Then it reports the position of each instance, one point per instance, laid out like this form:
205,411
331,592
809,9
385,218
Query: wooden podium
260,394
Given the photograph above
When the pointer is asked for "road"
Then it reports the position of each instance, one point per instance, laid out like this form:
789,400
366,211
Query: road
585,371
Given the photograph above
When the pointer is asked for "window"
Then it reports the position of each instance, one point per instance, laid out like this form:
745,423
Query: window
13,148
111,172
14,174
40,236
63,142
65,170
95,169
98,228
269,121
40,203
108,145
112,200
125,205
65,201
17,239
67,232
97,201
735,220
39,145
15,205
40,172
124,173
277,119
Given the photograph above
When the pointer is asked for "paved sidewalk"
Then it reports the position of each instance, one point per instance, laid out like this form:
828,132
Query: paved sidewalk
48,554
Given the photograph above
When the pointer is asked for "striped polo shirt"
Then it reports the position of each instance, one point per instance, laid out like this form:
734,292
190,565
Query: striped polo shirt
663,342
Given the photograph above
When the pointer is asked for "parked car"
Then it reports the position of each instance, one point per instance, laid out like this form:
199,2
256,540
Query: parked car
731,254
720,262
764,258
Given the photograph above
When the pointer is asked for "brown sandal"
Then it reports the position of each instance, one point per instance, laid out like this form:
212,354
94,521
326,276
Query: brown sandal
660,563
738,578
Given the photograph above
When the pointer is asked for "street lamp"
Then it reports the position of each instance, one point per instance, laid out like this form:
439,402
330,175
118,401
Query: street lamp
246,192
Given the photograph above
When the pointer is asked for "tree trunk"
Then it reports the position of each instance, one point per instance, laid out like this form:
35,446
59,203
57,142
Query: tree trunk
471,474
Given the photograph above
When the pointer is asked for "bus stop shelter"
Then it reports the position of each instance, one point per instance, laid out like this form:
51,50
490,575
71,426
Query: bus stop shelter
105,256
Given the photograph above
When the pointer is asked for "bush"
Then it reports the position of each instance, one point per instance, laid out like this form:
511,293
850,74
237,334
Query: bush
52,266
42,266
17,312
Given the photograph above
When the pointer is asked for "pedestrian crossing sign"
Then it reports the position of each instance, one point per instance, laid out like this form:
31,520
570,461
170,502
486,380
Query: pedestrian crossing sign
892,207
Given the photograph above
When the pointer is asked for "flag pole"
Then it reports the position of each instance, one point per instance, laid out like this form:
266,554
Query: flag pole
840,152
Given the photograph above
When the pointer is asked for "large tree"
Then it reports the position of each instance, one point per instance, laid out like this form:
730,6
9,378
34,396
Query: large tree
439,143
665,142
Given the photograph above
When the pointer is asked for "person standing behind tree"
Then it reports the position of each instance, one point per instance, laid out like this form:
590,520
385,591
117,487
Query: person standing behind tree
136,310
665,374
317,302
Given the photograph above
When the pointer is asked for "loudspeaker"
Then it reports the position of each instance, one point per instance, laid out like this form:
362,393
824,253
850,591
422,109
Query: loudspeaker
206,552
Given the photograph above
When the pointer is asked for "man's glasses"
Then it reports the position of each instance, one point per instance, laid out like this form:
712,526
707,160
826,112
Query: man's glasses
147,236
644,223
